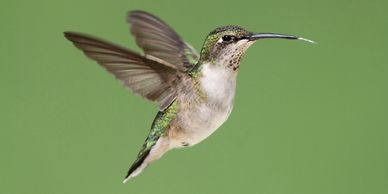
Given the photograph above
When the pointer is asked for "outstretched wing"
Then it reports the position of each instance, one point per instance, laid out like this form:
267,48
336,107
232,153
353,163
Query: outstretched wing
157,39
145,77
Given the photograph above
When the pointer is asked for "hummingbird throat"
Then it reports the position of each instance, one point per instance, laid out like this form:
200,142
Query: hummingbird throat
230,55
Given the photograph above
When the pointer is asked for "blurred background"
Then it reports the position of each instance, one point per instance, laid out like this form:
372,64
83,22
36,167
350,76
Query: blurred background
307,119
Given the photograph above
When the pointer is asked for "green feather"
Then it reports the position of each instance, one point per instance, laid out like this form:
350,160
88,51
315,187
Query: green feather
159,127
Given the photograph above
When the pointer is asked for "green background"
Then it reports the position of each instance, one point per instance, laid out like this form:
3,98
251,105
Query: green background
307,119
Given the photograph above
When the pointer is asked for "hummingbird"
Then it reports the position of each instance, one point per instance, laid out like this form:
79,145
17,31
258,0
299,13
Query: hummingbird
194,91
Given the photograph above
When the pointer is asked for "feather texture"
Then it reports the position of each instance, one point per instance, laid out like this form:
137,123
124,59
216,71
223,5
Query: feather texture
156,38
145,77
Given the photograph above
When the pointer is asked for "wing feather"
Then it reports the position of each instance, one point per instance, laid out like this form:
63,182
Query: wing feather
156,38
145,77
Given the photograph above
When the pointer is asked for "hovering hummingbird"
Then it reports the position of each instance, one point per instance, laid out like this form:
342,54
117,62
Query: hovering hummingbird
194,92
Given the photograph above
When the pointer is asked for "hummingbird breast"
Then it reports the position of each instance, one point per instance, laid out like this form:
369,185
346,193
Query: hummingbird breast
205,106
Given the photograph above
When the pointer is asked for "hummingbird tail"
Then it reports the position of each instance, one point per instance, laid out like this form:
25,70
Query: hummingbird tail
146,157
137,166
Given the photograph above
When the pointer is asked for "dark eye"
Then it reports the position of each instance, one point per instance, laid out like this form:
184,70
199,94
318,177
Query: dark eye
227,38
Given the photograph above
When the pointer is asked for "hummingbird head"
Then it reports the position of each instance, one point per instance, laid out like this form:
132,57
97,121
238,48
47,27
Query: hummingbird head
226,45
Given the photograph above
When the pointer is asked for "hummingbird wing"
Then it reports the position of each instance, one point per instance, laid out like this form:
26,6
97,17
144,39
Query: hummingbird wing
145,77
158,39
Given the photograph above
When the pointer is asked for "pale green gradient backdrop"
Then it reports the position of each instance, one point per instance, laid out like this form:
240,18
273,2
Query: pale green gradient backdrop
307,119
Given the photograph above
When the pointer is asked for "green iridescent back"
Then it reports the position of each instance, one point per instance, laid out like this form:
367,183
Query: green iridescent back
159,126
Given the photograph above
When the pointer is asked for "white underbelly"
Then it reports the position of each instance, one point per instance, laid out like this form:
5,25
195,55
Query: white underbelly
201,123
218,85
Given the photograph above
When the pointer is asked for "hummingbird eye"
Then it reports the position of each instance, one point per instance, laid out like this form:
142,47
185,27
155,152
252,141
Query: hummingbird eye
228,38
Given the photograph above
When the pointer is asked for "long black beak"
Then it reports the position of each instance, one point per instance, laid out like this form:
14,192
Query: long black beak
256,36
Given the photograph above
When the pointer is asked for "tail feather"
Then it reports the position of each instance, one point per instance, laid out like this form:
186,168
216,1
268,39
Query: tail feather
147,155
137,166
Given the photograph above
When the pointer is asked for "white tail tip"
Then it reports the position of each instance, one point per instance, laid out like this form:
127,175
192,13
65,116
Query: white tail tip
126,180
